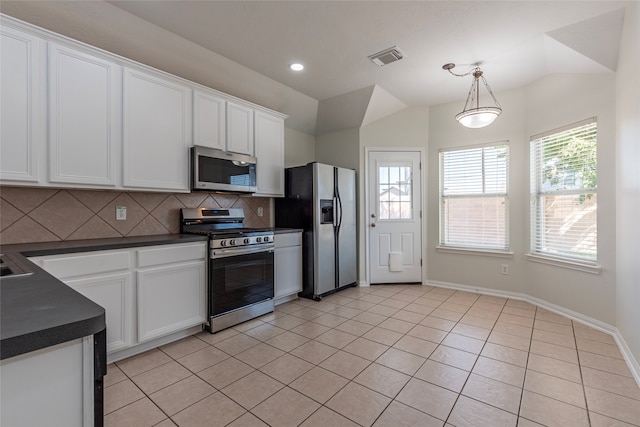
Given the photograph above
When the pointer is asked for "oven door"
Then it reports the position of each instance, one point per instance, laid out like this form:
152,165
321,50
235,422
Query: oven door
241,280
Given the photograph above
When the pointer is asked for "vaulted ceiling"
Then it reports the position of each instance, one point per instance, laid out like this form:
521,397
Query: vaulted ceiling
244,47
516,42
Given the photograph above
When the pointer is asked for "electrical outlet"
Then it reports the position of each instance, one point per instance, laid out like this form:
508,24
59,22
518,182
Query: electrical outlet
505,269
121,213
260,211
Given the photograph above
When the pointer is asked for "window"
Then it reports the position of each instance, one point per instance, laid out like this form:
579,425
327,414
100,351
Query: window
564,202
394,189
474,197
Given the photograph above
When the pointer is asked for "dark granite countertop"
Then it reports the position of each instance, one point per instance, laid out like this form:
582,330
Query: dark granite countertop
37,310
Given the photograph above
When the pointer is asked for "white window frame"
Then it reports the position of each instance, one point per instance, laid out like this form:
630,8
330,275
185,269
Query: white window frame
538,253
472,249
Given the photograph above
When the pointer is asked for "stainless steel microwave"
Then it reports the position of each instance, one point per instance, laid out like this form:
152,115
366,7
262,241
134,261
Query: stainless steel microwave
216,170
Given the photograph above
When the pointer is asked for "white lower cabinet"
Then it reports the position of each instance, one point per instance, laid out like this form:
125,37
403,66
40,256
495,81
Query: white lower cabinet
52,386
105,279
288,264
170,298
147,293
114,292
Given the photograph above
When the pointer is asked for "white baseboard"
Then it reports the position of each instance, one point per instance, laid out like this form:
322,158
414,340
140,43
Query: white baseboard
363,284
629,358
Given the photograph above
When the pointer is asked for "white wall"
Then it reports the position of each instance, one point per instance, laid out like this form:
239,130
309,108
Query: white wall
339,148
406,128
556,101
445,132
628,182
546,104
299,148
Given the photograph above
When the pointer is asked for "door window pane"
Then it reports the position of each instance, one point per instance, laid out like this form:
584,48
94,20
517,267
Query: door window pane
394,192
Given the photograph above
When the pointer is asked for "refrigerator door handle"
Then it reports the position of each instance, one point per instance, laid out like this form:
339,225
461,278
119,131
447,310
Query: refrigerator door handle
339,211
335,212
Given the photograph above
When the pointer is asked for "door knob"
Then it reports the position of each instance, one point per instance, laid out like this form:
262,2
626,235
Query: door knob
373,224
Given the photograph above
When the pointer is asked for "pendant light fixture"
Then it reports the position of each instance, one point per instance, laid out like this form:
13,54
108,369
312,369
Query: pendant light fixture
473,115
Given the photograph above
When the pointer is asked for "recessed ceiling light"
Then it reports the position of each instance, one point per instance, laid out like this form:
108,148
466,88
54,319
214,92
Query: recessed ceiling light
296,66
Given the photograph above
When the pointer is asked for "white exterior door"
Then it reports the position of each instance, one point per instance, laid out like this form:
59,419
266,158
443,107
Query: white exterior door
394,217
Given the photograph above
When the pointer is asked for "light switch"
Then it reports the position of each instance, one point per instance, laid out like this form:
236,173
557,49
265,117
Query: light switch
121,213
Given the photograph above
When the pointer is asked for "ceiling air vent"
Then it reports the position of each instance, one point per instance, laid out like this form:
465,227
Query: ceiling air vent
386,56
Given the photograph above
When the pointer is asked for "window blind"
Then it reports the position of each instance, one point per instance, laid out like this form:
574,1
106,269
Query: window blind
474,197
564,203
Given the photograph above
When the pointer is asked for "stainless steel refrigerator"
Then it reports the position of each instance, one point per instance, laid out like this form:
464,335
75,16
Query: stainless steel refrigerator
321,200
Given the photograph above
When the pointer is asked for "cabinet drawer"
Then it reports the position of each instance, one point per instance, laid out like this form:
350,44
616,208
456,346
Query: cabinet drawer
100,262
287,239
171,254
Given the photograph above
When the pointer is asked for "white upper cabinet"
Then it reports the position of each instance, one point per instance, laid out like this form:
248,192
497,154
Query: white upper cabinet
156,131
20,133
74,116
269,146
84,117
209,125
239,128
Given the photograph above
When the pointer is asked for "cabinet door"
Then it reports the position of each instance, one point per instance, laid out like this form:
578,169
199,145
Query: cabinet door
288,267
209,120
239,129
84,110
20,136
52,386
170,299
114,292
269,145
156,132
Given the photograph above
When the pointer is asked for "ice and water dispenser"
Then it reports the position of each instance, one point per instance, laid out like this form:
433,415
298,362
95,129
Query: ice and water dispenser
326,211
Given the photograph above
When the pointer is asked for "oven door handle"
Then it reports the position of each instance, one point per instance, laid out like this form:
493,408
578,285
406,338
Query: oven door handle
221,253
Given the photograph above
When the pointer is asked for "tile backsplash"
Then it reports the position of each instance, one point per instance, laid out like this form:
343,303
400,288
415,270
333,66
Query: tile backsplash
47,214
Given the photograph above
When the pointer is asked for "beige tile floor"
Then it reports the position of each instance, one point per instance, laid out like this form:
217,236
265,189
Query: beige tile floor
387,355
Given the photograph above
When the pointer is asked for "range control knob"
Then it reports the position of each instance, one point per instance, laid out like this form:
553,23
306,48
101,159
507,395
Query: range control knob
232,242
258,239
266,238
223,243
246,241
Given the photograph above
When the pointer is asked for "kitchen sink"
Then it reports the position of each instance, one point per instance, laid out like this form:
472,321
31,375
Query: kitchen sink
10,268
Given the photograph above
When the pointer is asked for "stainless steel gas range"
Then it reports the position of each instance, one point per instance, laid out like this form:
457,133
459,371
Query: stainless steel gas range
241,274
